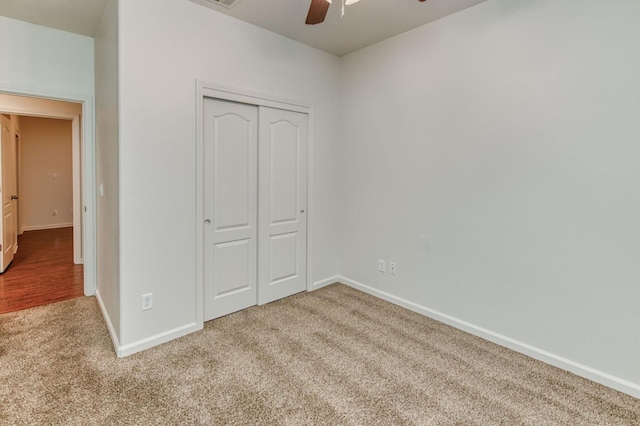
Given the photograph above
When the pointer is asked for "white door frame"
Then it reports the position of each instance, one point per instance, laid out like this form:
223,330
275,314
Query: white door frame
83,175
18,138
215,91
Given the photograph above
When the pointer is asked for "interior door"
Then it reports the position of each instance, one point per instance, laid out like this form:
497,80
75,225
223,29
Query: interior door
8,233
230,207
282,201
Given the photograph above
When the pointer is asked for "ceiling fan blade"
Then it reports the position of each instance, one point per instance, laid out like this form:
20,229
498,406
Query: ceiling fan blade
317,11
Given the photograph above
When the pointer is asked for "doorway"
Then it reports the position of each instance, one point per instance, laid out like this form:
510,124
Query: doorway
61,224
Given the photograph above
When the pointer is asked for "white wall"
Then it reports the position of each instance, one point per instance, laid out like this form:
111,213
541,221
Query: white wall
164,47
50,63
37,58
46,173
107,143
494,156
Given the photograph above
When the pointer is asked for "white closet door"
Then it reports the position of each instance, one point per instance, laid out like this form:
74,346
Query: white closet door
230,210
282,201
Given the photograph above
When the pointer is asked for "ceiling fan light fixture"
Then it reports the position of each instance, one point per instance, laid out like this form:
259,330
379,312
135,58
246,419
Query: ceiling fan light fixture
317,10
347,3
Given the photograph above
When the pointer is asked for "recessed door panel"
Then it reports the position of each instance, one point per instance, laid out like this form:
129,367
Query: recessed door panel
282,204
283,186
230,207
232,265
232,152
284,257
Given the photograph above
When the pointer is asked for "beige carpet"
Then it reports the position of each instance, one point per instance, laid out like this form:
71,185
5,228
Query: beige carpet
332,357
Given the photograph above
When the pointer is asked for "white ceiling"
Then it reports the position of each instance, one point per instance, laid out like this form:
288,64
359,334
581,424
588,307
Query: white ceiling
365,23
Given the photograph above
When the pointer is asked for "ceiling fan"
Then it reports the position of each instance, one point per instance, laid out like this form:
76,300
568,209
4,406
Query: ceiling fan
318,10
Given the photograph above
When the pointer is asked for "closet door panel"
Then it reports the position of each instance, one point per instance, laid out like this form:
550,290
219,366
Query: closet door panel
230,207
282,246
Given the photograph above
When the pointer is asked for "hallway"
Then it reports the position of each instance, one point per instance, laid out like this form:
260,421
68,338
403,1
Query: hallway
42,271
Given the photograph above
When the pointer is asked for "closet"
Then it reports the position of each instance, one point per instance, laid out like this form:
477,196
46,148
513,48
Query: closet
255,197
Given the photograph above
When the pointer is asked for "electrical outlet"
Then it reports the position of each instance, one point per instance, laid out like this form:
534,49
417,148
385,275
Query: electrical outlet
392,268
147,301
382,266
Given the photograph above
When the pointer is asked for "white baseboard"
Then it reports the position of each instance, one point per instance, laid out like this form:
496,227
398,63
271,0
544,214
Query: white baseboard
50,226
107,320
587,372
325,282
156,340
132,348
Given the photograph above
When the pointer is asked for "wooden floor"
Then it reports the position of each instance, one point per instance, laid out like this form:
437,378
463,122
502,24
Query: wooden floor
42,271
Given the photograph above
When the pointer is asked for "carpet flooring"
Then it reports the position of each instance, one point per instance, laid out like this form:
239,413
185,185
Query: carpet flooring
335,356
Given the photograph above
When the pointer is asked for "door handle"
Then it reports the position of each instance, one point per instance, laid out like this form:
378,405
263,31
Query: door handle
302,211
14,197
206,222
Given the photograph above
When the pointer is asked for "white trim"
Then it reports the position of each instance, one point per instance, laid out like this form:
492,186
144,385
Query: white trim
88,217
156,340
212,90
88,209
199,204
76,143
582,370
216,91
77,190
107,320
50,226
19,178
310,204
325,282
39,113
140,345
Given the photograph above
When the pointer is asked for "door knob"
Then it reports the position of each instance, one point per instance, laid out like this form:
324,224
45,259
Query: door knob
206,222
302,211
